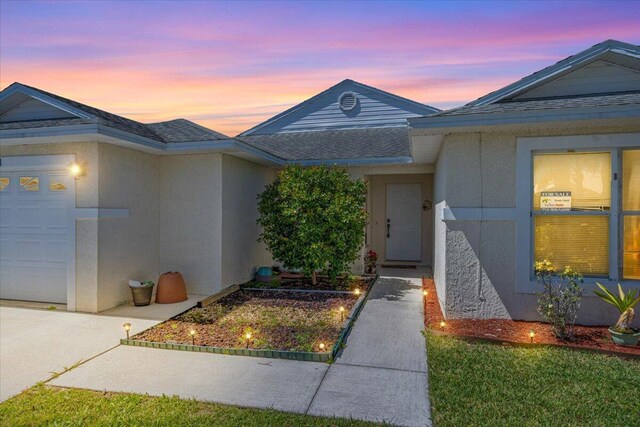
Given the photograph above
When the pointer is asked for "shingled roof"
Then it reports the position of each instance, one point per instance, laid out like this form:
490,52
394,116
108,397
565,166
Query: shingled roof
182,130
584,101
388,142
172,131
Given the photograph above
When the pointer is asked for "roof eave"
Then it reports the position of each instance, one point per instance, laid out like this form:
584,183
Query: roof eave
444,124
93,132
365,161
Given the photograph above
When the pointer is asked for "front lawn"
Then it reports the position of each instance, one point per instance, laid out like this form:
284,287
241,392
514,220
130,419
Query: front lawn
495,385
289,321
43,405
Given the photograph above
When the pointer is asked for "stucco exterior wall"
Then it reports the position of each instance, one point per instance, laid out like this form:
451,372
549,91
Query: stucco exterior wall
183,210
474,262
86,197
127,247
378,212
242,181
190,236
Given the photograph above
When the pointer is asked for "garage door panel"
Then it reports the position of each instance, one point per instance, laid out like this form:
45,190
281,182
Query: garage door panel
6,217
37,284
56,252
34,239
56,218
5,250
29,217
27,250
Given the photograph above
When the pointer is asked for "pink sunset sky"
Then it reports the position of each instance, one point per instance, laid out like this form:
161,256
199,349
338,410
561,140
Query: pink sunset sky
231,65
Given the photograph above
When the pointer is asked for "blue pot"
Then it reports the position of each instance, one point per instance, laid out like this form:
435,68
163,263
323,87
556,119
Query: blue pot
629,340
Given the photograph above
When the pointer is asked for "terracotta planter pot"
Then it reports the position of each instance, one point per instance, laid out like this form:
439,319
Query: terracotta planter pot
171,288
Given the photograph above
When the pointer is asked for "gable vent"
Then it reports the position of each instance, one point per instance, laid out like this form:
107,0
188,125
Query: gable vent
348,101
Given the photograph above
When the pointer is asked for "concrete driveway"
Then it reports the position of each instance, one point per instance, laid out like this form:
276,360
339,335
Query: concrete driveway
35,343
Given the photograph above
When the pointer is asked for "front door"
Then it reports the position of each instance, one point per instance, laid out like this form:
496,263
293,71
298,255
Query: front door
404,220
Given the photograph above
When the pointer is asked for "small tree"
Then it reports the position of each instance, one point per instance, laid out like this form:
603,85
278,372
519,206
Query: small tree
313,219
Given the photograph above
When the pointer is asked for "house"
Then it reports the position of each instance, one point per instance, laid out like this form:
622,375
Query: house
547,167
150,198
177,196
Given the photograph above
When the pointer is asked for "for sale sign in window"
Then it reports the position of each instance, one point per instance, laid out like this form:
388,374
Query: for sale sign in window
555,200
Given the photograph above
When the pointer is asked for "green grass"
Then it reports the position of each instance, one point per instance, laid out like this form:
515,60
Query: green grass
484,384
43,405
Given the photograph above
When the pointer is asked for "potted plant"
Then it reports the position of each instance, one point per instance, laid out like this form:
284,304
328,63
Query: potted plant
622,333
370,260
141,292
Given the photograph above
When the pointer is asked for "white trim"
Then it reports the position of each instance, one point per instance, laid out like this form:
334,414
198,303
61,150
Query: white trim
53,162
525,147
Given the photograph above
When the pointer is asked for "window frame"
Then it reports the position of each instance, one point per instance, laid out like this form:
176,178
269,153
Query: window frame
623,213
526,149
611,213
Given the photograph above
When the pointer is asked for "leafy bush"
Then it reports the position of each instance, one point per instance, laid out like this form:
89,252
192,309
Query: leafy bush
314,219
624,303
559,302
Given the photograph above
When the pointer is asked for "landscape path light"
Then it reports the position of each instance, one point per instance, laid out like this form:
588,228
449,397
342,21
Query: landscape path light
321,346
248,337
127,328
342,313
532,334
442,325
193,336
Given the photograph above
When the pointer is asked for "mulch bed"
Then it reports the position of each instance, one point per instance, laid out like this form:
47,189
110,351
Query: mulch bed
284,321
295,281
515,331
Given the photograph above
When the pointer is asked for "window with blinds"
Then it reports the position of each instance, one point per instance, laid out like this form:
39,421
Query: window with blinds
631,214
578,235
578,241
586,175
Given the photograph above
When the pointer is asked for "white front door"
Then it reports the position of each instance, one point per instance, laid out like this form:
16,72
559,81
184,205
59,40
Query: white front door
35,224
404,220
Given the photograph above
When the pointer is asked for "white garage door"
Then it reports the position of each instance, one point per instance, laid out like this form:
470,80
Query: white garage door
35,243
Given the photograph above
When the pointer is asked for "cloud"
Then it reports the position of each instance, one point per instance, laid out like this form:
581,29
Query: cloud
232,65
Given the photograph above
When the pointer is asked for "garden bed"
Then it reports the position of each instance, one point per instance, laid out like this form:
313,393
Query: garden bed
289,281
288,324
515,331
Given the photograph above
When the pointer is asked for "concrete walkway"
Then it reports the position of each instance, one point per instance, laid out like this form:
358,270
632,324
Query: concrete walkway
35,343
381,375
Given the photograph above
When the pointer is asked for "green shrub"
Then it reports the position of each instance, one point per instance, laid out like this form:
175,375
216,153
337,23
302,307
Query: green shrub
314,219
559,302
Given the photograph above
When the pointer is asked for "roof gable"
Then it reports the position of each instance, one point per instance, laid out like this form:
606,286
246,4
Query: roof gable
373,108
610,66
32,109
597,77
